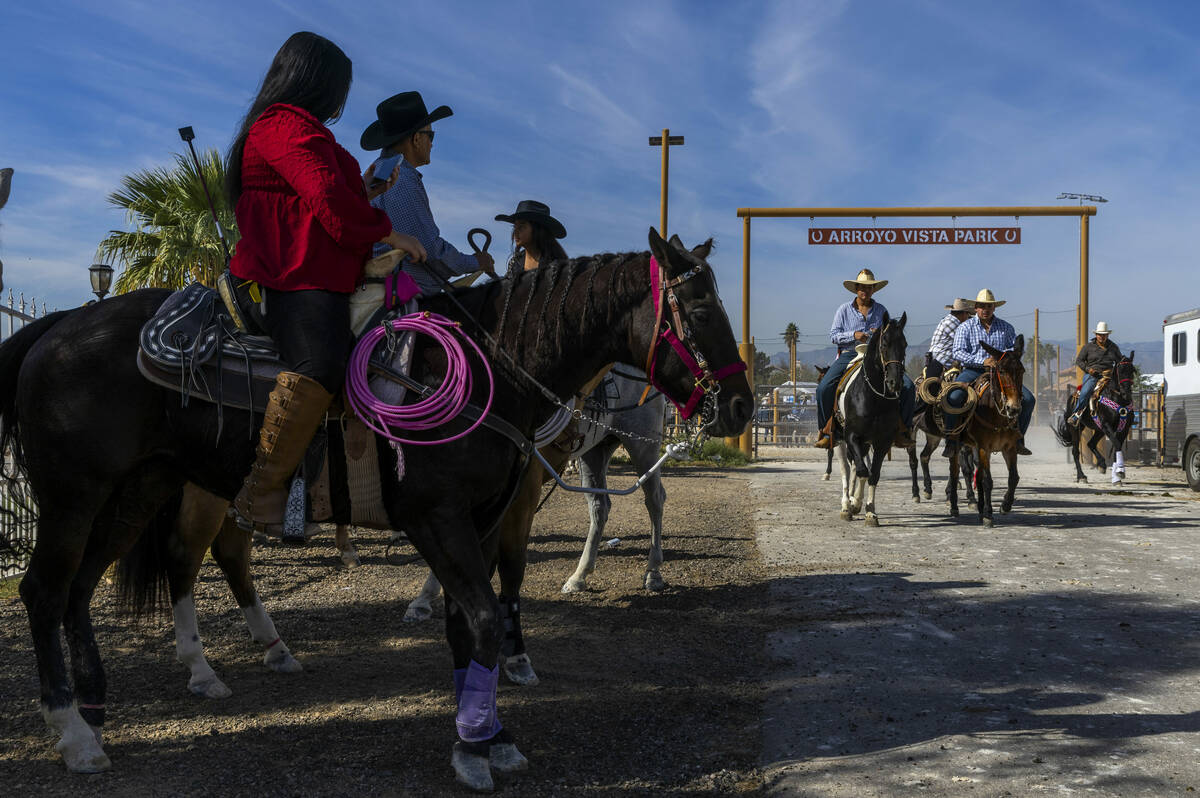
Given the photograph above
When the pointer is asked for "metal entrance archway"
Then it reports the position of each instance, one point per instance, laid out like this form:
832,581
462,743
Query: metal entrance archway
746,349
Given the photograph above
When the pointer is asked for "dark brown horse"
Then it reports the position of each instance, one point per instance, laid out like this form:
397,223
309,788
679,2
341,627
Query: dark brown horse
1112,421
107,453
993,428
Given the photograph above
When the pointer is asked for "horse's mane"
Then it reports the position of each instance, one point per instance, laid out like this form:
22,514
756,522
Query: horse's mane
534,305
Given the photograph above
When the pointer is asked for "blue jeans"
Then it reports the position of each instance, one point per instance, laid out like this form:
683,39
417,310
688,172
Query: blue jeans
827,391
958,397
1085,390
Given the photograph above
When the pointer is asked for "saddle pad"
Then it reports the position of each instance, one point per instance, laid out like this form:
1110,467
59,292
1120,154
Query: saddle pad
191,325
852,373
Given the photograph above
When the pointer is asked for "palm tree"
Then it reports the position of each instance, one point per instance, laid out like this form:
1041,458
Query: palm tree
791,335
174,242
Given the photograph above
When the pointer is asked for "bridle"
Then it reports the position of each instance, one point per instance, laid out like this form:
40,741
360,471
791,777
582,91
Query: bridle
707,382
1005,382
883,364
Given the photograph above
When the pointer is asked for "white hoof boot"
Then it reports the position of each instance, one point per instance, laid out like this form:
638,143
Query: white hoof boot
350,558
473,771
505,758
654,582
280,660
825,477
519,670
845,515
418,613
576,584
917,499
872,519
987,522
209,687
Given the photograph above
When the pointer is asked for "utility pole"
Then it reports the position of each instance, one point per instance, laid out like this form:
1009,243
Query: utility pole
666,141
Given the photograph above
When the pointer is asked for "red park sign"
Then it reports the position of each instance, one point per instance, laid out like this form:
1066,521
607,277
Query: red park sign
859,236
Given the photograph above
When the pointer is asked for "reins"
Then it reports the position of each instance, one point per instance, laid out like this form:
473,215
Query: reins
883,364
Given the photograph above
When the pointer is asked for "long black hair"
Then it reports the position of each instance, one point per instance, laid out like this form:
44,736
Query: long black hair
544,242
309,72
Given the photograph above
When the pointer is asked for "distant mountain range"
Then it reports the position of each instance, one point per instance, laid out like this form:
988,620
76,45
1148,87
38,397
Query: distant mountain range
1147,354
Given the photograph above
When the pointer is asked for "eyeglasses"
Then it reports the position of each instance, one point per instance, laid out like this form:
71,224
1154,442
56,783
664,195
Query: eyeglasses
427,133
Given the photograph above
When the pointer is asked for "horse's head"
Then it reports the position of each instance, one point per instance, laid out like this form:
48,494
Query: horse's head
695,358
889,344
1007,376
1124,375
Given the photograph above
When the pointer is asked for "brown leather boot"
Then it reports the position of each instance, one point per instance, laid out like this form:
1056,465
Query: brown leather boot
904,438
825,439
294,411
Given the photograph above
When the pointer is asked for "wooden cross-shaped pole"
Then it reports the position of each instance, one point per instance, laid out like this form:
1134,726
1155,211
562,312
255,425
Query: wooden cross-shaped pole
666,141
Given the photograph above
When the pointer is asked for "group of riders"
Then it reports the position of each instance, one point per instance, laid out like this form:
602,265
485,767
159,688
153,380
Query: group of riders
308,223
956,355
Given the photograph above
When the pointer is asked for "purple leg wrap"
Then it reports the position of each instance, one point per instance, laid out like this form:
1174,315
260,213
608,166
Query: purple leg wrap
477,717
460,678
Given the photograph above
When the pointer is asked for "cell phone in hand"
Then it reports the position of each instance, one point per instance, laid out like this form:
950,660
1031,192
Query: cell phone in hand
384,168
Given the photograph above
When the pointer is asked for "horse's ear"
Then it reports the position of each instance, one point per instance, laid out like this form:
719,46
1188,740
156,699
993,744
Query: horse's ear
1131,351
1019,346
903,319
886,319
659,248
701,251
676,242
991,350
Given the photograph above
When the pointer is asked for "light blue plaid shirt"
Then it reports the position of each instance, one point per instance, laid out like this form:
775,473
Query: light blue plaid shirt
942,344
970,334
848,321
407,205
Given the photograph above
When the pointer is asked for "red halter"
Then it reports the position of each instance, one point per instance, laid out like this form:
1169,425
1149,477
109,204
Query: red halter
682,343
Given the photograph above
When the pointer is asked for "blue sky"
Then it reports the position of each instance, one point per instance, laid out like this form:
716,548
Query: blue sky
782,104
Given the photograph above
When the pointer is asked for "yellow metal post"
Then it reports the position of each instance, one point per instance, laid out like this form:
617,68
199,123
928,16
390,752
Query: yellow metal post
1036,359
1083,281
746,349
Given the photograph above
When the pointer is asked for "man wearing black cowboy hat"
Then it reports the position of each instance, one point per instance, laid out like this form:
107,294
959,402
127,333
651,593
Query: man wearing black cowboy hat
403,127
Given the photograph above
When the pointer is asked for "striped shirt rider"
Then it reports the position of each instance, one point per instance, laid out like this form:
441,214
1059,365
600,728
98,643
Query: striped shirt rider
942,344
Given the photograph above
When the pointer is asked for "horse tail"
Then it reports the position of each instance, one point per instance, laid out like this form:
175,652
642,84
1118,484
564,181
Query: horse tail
142,585
1062,430
19,506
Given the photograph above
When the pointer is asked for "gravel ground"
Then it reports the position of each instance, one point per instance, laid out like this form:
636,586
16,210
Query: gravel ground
640,693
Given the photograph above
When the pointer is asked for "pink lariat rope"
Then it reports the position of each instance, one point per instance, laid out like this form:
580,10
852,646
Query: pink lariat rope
440,407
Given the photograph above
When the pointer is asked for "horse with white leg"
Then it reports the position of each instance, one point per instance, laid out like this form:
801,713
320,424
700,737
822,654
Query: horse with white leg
868,415
1110,417
100,485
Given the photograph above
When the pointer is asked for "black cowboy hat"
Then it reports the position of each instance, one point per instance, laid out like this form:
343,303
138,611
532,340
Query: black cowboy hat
538,213
398,116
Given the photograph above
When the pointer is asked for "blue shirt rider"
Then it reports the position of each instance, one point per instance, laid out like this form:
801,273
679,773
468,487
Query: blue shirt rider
853,324
985,327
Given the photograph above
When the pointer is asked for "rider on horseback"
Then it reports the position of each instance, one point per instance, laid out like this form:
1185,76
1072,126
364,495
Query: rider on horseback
1097,357
985,328
854,323
306,230
939,357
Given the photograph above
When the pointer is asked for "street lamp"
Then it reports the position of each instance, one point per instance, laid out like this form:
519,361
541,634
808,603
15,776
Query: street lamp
101,274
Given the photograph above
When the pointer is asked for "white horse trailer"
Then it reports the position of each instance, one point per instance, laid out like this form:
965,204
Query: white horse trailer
1181,368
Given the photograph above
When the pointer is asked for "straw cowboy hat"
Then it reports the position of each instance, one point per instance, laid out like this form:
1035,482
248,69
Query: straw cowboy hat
961,304
398,116
865,277
1102,328
538,213
986,297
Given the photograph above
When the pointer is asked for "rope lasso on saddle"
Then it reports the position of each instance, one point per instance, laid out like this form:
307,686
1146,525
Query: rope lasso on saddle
442,405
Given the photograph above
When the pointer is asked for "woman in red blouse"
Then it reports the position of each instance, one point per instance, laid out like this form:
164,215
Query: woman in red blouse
307,229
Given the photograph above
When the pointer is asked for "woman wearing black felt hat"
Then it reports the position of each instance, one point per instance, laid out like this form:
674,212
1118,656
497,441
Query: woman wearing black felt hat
535,236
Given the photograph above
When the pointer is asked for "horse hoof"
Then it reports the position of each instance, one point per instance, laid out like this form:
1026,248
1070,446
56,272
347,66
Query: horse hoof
653,582
825,478
83,754
350,559
846,515
519,671
987,522
418,613
211,687
282,662
505,758
954,513
574,585
1005,510
928,494
872,520
472,770
916,498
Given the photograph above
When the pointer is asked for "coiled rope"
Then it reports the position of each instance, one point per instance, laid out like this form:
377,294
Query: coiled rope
442,405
